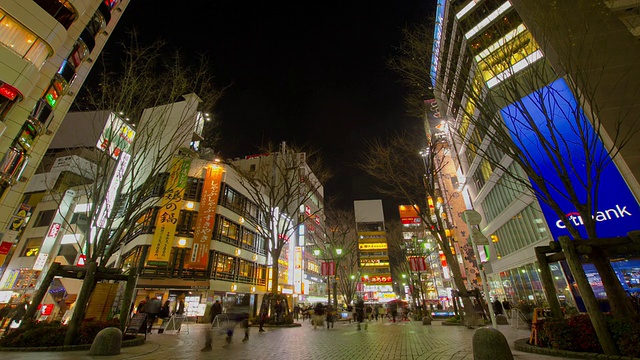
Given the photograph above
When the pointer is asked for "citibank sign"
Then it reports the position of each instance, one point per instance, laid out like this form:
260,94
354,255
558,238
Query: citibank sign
617,206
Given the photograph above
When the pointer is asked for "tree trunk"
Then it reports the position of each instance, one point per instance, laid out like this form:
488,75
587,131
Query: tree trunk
621,305
548,285
470,316
274,277
127,300
81,303
42,291
589,298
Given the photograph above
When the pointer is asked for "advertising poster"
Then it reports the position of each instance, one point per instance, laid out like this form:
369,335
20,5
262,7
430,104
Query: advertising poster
618,211
168,214
206,219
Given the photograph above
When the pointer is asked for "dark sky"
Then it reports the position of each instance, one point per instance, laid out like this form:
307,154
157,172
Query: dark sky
306,72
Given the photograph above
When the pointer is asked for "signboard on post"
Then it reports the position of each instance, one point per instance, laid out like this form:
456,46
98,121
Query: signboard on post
328,268
418,263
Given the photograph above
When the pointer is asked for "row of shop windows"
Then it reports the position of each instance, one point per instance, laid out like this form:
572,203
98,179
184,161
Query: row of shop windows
222,266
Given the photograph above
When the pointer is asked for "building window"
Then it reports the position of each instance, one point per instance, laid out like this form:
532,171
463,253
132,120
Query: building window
224,266
22,41
186,223
227,231
232,199
32,247
61,10
44,218
193,190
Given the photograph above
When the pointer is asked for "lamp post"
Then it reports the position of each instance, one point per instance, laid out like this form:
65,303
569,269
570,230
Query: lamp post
317,253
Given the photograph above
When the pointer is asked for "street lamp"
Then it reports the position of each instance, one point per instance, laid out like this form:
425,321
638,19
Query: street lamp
324,253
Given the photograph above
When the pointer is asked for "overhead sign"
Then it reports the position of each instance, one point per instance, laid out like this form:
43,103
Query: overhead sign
372,246
328,268
618,210
418,263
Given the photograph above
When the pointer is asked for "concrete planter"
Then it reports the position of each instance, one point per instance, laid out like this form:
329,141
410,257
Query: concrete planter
426,320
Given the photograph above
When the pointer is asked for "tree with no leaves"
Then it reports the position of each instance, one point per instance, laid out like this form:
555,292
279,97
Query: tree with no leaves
411,177
147,89
281,182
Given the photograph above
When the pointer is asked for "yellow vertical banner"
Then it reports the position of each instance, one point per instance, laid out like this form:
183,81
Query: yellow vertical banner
167,219
206,219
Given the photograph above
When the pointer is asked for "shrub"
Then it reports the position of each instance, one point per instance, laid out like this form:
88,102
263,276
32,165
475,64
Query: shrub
45,334
32,334
576,333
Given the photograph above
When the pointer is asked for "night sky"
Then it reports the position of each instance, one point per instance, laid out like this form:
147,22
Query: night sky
310,73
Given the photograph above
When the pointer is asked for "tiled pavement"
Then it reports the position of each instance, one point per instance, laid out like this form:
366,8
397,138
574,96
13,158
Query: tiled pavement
401,340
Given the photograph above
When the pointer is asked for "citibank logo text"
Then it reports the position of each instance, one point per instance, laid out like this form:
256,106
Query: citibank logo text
609,214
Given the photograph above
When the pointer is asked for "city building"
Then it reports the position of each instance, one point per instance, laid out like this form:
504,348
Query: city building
47,49
373,252
481,44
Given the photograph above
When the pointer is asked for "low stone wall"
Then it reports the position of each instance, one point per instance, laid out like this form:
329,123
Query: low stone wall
139,340
521,345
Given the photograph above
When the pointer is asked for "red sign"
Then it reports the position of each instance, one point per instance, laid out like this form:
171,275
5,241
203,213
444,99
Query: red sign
443,259
82,259
5,246
46,309
328,268
377,279
411,220
8,91
54,230
418,263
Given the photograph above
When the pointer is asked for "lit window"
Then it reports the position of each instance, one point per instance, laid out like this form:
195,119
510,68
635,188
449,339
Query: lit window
32,247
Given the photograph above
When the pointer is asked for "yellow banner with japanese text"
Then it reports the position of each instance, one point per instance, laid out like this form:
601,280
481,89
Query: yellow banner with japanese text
169,212
372,246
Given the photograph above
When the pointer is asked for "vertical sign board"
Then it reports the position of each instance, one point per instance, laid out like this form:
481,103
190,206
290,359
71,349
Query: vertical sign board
206,219
50,239
618,208
169,212
297,270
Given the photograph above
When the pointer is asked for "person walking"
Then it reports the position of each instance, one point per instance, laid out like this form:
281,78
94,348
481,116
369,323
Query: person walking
153,310
238,316
506,305
216,309
318,315
331,316
369,310
497,307
165,314
360,313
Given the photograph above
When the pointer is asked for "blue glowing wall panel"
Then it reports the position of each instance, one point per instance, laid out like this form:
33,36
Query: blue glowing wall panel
618,210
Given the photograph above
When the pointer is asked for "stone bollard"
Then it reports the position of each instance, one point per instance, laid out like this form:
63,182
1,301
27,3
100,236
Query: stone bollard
501,320
107,342
490,344
426,320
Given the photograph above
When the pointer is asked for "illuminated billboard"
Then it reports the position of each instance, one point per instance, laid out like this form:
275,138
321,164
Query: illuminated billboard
618,209
117,136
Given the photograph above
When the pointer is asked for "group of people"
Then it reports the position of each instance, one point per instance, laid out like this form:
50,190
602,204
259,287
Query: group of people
12,315
154,309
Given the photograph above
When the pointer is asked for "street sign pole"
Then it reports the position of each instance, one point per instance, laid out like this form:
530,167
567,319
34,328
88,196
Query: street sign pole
472,217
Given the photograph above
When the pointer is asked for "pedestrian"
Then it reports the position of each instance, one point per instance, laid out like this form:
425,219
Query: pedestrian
152,310
360,313
369,311
279,310
165,313
318,315
263,318
296,312
497,307
376,312
216,309
382,311
331,316
352,314
238,316
506,305
180,308
393,308
140,309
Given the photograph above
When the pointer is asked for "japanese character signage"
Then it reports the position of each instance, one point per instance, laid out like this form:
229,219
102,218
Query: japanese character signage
206,219
377,279
417,263
169,212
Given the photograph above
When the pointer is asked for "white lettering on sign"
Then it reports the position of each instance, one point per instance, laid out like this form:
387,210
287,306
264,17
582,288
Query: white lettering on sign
609,214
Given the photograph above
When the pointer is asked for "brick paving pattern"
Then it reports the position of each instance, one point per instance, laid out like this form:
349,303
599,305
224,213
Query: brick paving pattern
401,341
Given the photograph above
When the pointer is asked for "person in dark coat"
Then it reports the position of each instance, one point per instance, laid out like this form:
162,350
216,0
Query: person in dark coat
497,307
216,309
153,307
360,312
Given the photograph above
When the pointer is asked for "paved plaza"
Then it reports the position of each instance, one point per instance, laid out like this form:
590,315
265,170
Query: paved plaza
400,340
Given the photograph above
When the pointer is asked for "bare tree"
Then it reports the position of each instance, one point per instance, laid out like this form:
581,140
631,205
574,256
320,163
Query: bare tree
339,244
413,178
123,183
280,182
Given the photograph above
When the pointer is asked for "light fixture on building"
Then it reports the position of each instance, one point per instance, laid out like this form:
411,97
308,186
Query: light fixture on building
254,257
253,289
234,287
182,242
241,220
189,205
238,251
